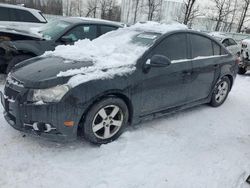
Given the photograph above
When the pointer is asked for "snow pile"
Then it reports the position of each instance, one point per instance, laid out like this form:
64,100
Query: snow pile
115,52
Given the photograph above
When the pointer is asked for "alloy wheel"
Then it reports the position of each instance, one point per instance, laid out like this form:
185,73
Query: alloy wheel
221,92
107,121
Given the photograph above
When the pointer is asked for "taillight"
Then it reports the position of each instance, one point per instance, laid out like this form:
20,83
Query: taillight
237,60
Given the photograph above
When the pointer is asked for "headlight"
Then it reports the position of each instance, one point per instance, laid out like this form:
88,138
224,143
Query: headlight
53,94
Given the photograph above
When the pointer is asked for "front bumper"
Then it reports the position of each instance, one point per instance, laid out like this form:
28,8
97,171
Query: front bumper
23,116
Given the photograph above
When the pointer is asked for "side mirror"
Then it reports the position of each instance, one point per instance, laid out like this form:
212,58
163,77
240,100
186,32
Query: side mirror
66,40
158,61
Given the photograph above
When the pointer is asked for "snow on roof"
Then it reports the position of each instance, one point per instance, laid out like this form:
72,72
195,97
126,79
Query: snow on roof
16,6
100,20
159,27
115,52
217,35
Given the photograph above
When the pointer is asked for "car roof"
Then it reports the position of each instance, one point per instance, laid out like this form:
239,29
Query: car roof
17,7
78,20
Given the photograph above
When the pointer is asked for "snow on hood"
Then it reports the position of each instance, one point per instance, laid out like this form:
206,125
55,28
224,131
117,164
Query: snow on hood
115,52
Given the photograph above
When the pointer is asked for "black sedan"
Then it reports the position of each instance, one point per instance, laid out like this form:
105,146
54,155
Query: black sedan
17,45
122,78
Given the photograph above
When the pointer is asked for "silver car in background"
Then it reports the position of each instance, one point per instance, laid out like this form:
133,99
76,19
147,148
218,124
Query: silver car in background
19,17
228,42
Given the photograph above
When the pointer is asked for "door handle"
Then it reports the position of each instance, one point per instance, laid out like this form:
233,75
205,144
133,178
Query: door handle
187,73
216,66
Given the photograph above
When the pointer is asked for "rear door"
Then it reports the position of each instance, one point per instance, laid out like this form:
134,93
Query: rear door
207,56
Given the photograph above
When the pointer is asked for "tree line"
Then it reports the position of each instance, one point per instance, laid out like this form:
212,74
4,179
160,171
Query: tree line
224,13
104,9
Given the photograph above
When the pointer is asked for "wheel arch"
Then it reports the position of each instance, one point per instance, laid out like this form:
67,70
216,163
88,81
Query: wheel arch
102,96
230,77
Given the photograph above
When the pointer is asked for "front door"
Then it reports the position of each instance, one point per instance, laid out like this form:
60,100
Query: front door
166,87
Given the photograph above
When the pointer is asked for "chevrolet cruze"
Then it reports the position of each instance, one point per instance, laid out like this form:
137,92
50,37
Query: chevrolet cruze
124,77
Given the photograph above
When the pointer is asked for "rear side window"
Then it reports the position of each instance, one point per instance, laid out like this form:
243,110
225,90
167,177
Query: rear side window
201,46
232,42
105,29
22,16
174,47
4,14
217,49
226,43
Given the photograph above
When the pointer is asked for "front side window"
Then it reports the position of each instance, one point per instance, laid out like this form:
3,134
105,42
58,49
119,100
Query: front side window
82,32
201,46
173,47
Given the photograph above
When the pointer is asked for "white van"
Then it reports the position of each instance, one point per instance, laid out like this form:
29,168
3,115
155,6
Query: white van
19,17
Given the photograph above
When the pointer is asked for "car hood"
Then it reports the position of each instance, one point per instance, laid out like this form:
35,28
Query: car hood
15,34
41,72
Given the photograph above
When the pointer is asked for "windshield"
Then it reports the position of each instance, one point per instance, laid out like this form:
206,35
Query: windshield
53,29
116,48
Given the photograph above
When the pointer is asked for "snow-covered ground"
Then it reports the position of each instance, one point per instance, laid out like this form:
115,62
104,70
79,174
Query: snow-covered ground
197,148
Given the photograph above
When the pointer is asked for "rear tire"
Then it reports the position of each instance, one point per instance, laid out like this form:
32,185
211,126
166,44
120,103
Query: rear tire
106,120
242,70
15,60
220,92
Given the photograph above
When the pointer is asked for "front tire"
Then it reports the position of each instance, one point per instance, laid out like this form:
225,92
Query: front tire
106,120
220,92
15,60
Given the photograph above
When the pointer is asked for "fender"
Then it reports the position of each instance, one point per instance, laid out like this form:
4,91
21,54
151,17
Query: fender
27,47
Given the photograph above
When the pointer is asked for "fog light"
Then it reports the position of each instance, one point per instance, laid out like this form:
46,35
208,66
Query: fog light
69,123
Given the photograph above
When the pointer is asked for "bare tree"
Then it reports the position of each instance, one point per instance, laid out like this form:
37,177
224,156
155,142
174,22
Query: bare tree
92,6
110,10
136,3
223,8
233,16
190,11
153,8
79,7
243,15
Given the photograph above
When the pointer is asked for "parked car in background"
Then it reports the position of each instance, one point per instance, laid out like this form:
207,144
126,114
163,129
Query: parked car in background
228,42
95,89
245,52
238,37
17,45
19,17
